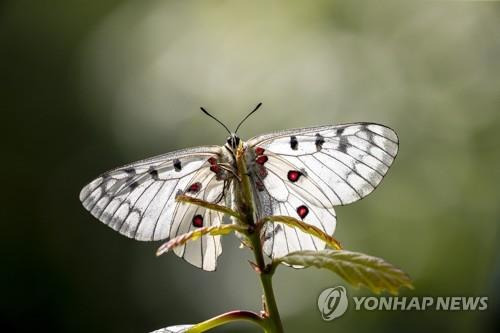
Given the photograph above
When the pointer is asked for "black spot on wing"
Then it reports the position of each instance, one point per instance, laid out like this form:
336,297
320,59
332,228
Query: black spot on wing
340,131
130,171
294,144
154,173
320,140
343,144
177,165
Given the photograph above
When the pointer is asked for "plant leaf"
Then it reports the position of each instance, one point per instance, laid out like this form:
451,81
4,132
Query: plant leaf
307,228
214,230
357,269
174,329
208,205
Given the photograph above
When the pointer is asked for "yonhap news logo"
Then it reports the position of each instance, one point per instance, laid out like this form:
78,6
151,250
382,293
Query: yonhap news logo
333,303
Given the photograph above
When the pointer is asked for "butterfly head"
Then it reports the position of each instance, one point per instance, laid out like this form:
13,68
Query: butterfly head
233,141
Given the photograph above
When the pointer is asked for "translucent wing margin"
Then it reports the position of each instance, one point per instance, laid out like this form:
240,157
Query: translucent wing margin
316,168
138,200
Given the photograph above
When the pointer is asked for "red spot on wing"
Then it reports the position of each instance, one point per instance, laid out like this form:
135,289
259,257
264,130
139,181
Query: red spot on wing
294,175
262,171
214,166
261,159
302,211
194,188
198,221
259,151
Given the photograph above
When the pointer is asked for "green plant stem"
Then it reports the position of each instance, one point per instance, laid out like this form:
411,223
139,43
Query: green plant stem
227,318
266,276
272,316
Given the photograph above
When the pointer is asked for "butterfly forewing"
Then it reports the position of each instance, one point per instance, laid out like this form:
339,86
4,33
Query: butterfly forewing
138,200
303,173
344,163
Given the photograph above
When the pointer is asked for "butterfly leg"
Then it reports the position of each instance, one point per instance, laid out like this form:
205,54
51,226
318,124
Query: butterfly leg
229,168
222,195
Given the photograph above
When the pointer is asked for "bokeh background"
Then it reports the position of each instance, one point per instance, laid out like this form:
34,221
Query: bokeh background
90,85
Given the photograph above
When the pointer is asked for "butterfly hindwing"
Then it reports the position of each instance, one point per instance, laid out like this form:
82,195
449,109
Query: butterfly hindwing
138,200
280,239
204,251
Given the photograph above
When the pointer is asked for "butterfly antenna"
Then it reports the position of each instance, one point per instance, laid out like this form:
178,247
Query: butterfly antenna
248,115
217,120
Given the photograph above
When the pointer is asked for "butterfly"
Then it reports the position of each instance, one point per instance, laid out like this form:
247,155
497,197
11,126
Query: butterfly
302,173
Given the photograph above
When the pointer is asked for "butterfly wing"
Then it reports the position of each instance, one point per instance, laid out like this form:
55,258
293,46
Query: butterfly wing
138,200
303,173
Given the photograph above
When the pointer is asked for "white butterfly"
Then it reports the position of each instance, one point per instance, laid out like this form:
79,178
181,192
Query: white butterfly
301,173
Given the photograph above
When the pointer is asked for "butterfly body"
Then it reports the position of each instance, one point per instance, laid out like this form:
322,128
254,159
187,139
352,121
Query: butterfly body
302,173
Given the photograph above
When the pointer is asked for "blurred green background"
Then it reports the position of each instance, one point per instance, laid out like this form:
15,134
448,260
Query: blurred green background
91,85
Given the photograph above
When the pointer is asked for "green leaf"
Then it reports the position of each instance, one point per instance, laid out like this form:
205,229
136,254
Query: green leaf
202,203
357,269
307,228
214,230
